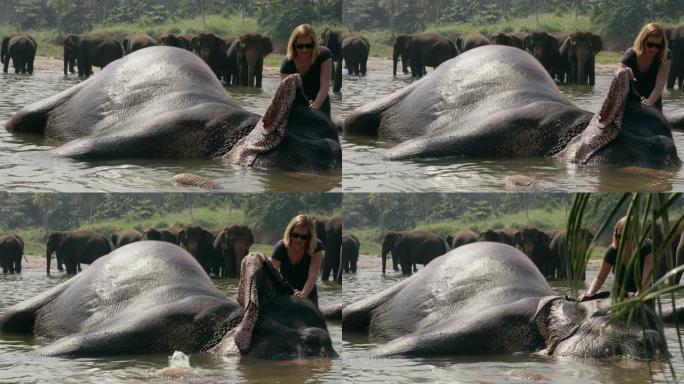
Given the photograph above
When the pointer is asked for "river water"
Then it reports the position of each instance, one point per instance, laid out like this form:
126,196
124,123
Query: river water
27,166
365,171
508,368
19,363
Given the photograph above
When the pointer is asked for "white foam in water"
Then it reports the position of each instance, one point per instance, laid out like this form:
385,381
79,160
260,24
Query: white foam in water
179,360
179,367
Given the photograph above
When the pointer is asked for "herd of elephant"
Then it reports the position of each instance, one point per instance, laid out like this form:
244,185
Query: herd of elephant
567,58
218,250
547,249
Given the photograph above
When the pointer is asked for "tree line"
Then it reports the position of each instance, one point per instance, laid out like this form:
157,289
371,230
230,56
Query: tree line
278,17
69,211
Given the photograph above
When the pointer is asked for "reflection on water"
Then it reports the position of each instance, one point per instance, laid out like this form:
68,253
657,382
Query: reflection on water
507,368
19,363
26,165
365,171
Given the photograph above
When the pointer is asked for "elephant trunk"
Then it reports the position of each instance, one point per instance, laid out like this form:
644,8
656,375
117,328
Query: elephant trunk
384,260
395,57
582,57
66,63
251,57
48,257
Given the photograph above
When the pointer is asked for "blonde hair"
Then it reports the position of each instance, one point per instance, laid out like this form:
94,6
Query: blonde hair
307,222
304,30
619,231
651,30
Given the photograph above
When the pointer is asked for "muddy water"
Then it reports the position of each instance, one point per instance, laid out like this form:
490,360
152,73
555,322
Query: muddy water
508,368
19,363
365,170
26,165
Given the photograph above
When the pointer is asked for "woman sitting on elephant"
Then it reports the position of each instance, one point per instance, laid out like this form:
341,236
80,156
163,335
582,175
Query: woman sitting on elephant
650,62
313,63
298,257
626,274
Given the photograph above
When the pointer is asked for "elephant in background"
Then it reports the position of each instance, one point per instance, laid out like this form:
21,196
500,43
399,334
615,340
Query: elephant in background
462,237
172,40
250,50
231,245
21,49
470,41
409,248
489,298
501,38
545,48
169,235
504,236
75,247
11,252
124,237
165,302
350,252
329,231
88,51
355,50
560,251
138,41
676,42
577,58
332,39
535,244
422,50
212,50
198,242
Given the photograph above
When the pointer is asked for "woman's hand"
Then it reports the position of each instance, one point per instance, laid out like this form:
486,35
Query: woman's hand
646,102
298,294
313,105
583,296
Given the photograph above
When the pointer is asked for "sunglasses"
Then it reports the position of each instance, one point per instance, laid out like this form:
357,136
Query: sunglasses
307,46
296,235
653,45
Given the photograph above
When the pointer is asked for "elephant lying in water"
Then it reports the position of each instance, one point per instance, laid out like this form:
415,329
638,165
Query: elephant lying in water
498,101
485,298
165,102
153,297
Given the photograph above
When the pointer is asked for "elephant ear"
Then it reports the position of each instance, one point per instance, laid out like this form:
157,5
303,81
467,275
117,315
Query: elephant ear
267,46
260,283
183,239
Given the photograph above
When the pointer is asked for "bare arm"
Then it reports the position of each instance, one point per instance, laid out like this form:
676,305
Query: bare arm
646,274
276,263
598,281
314,267
326,72
283,75
661,79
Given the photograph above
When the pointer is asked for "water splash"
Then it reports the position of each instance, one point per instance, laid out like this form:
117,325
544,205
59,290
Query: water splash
179,368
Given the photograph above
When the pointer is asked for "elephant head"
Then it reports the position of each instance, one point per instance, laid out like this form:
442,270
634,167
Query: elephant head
389,242
400,45
70,45
581,51
206,45
232,245
152,234
54,244
535,244
198,242
275,325
252,50
502,39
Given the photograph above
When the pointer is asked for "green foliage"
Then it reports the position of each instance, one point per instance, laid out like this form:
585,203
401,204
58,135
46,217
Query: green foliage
619,18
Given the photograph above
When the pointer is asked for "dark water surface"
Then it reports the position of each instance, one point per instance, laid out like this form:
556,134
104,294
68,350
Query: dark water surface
27,166
19,363
508,368
365,171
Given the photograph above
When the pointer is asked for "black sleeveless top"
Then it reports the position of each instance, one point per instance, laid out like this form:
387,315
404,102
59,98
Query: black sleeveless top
296,274
312,80
645,82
